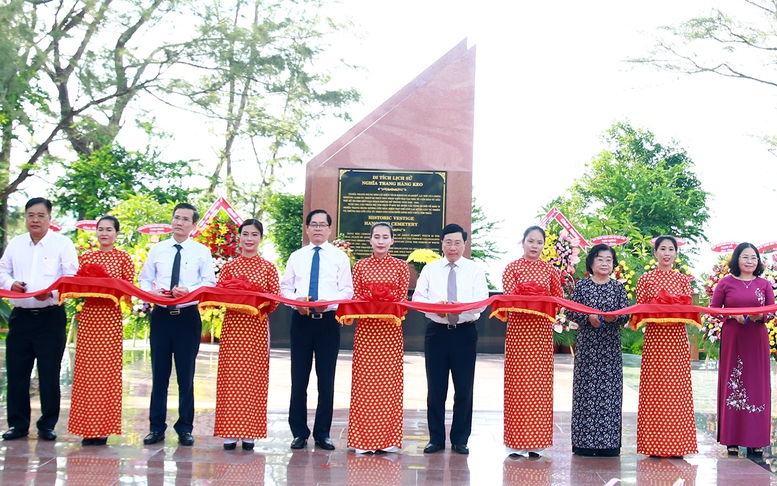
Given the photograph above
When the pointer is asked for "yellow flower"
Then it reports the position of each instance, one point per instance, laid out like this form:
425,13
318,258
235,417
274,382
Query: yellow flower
647,267
652,262
629,295
79,308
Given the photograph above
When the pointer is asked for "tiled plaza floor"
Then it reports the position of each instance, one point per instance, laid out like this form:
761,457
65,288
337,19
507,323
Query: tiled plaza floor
125,461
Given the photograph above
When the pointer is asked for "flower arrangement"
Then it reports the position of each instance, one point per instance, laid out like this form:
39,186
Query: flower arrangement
419,258
86,241
771,327
719,270
220,236
625,275
563,251
341,243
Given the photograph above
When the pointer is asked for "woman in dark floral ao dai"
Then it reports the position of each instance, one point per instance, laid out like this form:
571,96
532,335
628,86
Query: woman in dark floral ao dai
597,388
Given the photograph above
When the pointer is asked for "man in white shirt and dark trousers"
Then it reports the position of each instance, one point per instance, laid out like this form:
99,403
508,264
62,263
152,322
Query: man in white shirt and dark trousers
36,327
450,345
174,268
319,271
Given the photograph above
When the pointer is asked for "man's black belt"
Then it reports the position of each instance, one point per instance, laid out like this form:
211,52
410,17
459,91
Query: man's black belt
174,311
37,310
455,326
319,315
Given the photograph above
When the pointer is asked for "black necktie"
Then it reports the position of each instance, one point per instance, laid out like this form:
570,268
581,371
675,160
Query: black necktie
176,268
313,289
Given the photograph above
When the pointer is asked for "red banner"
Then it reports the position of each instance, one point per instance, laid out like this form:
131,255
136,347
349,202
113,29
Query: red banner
87,225
554,213
611,240
156,229
211,213
766,247
680,241
725,247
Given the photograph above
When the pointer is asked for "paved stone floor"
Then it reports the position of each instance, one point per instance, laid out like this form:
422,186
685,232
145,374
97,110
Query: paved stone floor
125,461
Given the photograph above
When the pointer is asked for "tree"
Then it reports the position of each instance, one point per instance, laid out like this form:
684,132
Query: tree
77,65
642,186
725,45
93,185
256,76
482,247
286,213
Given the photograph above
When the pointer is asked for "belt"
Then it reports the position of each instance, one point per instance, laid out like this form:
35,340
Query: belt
174,311
39,310
319,315
455,326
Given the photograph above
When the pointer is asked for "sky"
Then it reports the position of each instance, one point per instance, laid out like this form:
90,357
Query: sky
551,77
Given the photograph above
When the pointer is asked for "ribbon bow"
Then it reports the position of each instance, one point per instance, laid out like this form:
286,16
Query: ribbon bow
665,297
529,288
92,270
239,282
379,292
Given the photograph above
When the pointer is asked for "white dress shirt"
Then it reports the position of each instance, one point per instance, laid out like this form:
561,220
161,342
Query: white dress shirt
196,267
471,286
37,265
334,274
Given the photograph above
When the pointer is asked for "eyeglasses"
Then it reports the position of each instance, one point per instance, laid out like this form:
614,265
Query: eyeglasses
182,218
748,259
603,260
318,225
36,215
450,243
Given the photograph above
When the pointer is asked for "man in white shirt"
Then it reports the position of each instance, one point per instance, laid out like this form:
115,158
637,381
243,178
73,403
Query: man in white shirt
319,271
450,345
36,327
174,268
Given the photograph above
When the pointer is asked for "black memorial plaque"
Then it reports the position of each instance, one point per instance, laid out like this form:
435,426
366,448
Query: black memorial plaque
413,202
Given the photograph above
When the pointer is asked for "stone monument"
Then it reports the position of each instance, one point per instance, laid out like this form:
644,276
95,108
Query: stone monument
408,163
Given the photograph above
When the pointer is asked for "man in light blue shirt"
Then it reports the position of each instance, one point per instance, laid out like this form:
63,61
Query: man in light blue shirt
174,268
318,271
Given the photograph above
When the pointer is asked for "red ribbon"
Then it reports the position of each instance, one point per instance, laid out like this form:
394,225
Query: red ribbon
119,287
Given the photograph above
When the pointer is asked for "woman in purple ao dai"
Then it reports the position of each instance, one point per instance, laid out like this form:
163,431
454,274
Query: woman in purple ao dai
744,393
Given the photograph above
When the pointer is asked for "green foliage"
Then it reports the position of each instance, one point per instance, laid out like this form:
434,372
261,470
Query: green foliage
643,187
94,184
255,71
482,247
631,341
136,211
285,211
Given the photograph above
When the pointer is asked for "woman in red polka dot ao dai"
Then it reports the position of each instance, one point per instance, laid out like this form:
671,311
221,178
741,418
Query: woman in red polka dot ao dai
528,401
375,418
244,358
665,422
95,410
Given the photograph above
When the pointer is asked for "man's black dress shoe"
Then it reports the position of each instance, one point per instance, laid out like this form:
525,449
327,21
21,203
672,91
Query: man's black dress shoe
153,438
247,446
460,448
432,448
47,434
230,446
299,443
186,439
14,433
326,444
